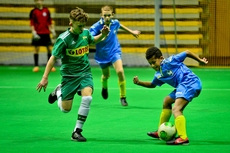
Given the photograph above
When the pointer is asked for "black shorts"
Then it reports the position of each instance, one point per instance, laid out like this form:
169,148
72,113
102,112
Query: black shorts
43,41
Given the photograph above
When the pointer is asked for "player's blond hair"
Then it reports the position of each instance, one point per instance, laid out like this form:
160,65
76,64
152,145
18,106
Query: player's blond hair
78,14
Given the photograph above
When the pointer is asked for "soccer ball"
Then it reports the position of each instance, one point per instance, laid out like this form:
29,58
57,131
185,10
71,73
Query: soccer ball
167,131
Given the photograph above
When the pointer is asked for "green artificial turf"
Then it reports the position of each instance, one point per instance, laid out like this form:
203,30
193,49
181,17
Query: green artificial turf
29,124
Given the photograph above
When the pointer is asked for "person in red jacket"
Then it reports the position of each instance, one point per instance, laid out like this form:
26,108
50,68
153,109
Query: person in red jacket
41,26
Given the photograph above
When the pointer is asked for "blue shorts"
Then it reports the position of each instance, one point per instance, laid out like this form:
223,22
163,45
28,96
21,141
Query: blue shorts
113,59
187,91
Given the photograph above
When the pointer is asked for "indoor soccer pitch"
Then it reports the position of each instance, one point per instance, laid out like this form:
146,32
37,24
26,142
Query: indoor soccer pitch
29,124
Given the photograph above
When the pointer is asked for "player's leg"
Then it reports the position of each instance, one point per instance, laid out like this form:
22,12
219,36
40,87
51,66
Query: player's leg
184,94
36,58
60,95
83,111
104,80
180,122
165,114
118,66
167,110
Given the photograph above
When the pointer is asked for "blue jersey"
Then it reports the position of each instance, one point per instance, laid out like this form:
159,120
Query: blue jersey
175,73
108,47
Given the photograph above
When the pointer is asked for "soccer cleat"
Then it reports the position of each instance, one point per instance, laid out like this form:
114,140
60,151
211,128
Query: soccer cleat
77,136
36,69
178,141
104,93
53,95
123,101
53,69
153,134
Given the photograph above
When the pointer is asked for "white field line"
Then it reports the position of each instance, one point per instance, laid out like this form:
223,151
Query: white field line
157,88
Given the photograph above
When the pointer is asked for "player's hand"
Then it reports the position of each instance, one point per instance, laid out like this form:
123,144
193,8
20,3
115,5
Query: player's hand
204,61
136,33
42,84
35,35
105,30
135,80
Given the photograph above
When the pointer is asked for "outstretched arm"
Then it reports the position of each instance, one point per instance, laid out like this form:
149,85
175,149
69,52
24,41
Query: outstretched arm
135,33
195,57
143,84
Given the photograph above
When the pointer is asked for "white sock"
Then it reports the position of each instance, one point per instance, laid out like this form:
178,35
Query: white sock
59,98
83,111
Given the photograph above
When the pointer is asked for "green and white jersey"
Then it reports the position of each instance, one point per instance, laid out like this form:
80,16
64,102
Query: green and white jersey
73,51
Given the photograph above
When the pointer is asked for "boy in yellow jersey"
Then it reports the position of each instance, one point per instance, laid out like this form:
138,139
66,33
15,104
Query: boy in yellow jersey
72,47
108,52
187,86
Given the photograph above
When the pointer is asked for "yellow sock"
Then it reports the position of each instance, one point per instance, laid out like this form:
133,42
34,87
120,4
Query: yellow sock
165,116
122,85
104,83
180,123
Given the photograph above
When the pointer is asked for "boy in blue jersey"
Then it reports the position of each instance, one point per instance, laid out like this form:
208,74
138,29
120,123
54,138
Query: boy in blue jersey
187,86
72,47
108,52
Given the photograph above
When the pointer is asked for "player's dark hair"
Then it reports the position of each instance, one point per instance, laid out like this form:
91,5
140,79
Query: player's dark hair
153,51
78,14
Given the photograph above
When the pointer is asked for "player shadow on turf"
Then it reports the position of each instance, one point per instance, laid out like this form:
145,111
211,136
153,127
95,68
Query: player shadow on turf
210,142
138,107
115,106
123,141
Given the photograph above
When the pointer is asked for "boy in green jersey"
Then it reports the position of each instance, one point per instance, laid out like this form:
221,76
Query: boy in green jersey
72,47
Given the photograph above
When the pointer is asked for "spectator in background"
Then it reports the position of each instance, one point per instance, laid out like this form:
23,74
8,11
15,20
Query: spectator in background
41,26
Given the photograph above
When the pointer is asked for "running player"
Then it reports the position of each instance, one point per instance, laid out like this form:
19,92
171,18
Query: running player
187,86
108,52
72,47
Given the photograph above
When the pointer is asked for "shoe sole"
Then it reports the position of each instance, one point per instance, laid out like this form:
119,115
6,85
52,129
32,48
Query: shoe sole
124,104
78,140
153,136
179,144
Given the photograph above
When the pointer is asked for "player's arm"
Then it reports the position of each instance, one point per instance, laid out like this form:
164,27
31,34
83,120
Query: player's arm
135,33
34,33
142,83
104,33
195,57
44,81
33,30
52,30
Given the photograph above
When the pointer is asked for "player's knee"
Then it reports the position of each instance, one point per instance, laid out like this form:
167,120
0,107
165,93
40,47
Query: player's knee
120,72
176,111
86,101
65,108
168,103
